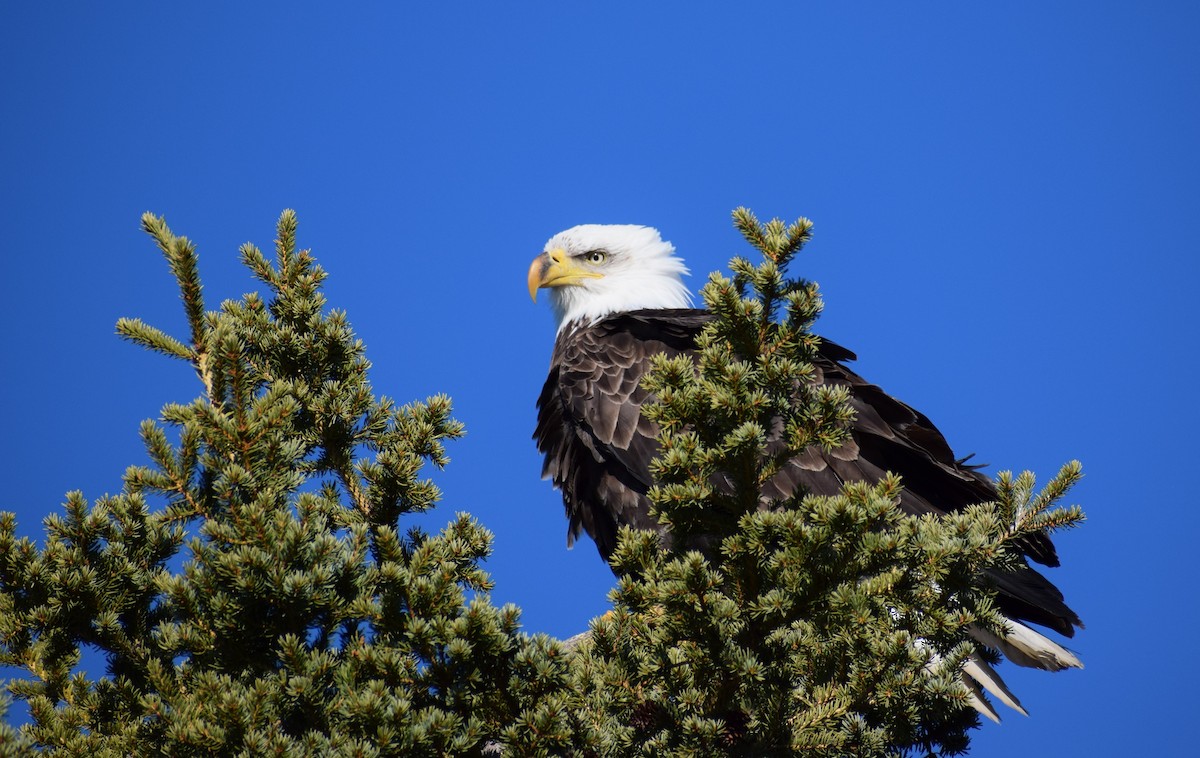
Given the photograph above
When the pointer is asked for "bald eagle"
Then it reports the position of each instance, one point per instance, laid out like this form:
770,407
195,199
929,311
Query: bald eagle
618,298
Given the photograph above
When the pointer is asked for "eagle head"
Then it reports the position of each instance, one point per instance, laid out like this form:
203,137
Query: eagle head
596,270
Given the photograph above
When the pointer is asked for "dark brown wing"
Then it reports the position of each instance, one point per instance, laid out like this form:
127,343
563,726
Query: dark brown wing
888,435
598,446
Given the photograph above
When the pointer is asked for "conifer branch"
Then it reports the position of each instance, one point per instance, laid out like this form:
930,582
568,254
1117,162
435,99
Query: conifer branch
1026,512
285,240
137,331
253,259
181,257
748,224
358,494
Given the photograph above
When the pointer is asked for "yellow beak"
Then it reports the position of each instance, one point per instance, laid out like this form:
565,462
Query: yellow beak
555,268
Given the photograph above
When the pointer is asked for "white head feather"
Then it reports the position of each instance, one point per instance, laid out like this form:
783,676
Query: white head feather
640,270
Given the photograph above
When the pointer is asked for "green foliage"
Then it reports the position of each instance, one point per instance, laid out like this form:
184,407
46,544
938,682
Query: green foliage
250,589
826,626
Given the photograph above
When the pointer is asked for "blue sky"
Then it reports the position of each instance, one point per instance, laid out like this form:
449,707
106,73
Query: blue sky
1003,195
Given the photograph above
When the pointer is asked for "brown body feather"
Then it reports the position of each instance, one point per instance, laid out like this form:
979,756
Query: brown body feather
598,446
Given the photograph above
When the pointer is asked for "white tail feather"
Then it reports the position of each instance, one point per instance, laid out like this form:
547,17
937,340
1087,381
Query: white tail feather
971,675
1022,646
978,669
1025,647
977,700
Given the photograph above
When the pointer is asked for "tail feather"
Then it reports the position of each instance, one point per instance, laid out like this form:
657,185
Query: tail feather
978,700
1025,647
980,671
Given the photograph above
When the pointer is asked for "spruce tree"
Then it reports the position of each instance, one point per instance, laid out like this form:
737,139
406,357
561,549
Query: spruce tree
826,626
252,589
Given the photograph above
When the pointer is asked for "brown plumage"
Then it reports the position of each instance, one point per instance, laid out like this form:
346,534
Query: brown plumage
598,446
618,297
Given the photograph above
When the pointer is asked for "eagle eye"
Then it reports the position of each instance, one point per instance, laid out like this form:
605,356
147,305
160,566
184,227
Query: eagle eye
595,257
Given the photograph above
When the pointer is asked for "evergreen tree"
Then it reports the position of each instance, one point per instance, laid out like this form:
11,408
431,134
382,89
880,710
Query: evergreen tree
824,626
253,591
271,604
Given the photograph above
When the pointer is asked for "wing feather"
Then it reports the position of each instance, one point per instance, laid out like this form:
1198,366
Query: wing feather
598,446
